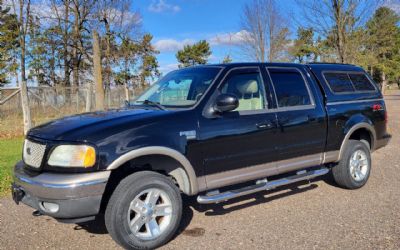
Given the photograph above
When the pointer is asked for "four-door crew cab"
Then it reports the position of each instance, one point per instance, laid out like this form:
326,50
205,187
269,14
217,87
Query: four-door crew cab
199,131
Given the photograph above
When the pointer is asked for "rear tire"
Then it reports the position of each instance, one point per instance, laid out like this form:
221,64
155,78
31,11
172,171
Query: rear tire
144,211
354,168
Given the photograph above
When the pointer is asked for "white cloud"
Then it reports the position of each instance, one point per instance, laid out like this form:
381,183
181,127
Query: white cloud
222,39
169,67
159,6
171,45
232,38
46,9
394,5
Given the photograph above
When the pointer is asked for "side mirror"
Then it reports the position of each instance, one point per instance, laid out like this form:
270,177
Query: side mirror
226,102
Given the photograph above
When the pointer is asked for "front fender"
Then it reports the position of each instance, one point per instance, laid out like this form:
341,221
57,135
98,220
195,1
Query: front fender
158,150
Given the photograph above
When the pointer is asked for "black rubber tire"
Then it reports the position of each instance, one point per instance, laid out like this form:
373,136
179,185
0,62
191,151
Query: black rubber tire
341,172
118,205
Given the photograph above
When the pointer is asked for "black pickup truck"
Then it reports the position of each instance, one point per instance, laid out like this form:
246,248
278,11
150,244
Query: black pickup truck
214,131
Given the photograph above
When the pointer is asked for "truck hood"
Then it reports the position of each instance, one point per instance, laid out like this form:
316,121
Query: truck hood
80,127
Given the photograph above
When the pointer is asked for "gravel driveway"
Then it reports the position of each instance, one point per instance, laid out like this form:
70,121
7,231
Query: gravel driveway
312,215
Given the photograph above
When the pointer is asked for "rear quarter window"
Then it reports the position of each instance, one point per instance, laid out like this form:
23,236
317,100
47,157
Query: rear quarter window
361,82
348,82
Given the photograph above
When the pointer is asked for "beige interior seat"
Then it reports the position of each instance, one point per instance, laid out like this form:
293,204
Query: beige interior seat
249,96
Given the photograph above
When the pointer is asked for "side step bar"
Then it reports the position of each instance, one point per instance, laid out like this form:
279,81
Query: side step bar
216,197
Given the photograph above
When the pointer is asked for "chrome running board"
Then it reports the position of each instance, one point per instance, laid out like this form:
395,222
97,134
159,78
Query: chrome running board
215,197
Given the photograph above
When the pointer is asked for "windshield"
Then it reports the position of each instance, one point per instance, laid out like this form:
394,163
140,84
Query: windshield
180,88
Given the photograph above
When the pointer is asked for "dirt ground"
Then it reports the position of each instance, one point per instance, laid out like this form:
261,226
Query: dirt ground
318,215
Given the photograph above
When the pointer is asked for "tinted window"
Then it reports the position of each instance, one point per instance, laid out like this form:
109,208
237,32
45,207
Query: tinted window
290,87
339,82
248,88
361,82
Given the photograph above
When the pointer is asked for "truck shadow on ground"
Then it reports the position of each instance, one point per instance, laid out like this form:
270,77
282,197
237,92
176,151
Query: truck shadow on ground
189,204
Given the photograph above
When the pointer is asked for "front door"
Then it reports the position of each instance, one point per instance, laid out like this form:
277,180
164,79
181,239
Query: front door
240,145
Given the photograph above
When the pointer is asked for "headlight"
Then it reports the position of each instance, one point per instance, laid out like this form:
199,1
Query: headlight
73,156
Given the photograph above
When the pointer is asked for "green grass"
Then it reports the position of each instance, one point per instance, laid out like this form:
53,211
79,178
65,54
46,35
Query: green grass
10,153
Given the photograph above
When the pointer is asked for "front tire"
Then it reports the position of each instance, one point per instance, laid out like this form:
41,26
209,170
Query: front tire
144,211
354,168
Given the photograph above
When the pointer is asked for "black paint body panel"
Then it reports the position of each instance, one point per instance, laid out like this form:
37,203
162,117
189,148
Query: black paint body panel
226,142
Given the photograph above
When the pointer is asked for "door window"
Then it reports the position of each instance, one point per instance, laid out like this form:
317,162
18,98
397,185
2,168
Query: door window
248,88
290,88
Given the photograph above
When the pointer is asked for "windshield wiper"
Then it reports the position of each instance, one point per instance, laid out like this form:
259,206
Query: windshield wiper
151,103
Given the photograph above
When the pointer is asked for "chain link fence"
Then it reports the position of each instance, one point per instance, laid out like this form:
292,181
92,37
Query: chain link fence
49,103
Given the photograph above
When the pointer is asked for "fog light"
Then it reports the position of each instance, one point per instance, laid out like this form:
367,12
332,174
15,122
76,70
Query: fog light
49,207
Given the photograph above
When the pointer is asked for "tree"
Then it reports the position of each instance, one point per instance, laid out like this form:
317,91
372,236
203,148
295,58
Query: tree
384,44
97,72
337,20
39,53
64,28
24,15
82,11
195,54
108,11
127,55
227,59
149,64
266,33
304,48
8,43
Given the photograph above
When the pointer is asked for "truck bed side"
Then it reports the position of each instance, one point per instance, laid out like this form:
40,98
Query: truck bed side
351,114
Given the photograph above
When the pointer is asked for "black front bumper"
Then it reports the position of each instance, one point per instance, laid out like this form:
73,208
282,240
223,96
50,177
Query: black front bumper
70,197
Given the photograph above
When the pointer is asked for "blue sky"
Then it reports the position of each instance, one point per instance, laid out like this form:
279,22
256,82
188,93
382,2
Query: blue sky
174,23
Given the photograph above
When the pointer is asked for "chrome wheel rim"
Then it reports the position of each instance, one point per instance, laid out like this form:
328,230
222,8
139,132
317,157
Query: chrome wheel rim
149,214
359,165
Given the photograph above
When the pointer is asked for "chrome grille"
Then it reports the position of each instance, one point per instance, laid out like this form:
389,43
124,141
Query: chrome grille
33,153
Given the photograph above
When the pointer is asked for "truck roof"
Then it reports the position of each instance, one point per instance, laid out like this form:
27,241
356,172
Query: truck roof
315,66
319,70
334,66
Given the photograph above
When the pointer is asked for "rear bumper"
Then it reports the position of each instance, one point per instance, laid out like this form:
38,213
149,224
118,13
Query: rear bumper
383,141
75,195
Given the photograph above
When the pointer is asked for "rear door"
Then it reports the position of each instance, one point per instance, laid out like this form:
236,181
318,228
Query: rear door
301,118
240,145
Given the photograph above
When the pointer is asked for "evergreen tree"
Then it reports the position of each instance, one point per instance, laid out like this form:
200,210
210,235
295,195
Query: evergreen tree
191,55
384,44
8,43
227,59
126,57
303,49
38,53
149,64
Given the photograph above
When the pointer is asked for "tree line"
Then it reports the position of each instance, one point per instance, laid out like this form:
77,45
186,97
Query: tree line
58,46
70,43
361,32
